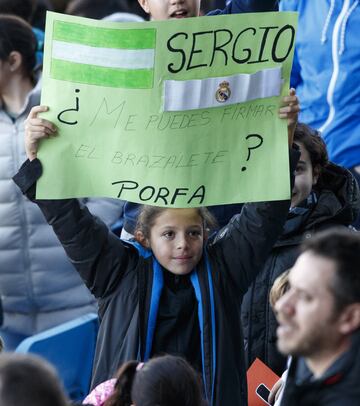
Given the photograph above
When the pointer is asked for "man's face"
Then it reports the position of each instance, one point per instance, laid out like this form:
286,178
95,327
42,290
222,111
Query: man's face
304,177
177,239
168,9
308,322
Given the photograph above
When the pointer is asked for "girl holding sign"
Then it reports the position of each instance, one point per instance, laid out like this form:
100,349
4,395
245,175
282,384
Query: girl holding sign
172,290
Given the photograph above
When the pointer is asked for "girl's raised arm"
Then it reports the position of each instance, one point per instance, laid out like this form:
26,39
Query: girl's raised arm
100,257
36,129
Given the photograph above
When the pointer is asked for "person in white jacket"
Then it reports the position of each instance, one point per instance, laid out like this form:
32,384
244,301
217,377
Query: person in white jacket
38,286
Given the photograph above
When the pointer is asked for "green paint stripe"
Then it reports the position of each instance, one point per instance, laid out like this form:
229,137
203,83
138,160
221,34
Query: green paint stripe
100,76
105,37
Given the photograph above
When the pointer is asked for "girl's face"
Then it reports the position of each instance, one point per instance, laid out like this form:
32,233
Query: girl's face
177,239
305,178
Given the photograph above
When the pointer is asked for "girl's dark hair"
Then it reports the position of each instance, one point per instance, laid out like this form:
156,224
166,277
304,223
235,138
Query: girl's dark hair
314,144
17,35
163,381
148,215
166,381
124,382
21,8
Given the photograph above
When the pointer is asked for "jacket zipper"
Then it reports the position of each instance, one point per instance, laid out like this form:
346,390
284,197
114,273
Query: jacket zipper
335,60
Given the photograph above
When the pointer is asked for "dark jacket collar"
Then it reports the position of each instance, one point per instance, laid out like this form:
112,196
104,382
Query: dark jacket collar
338,202
303,376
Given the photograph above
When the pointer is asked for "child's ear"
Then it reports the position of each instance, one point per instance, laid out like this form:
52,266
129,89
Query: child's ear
350,319
15,60
139,237
144,5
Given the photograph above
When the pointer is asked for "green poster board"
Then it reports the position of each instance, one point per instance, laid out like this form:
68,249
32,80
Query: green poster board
179,113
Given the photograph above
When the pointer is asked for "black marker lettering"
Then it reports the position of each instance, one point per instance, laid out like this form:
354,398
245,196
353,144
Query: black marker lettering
221,46
163,193
291,43
76,109
172,49
179,192
246,50
144,191
198,194
196,51
125,185
263,43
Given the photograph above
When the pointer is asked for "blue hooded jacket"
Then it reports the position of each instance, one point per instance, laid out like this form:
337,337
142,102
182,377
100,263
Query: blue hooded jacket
326,73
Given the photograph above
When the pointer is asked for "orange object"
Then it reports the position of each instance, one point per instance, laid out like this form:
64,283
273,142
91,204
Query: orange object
259,373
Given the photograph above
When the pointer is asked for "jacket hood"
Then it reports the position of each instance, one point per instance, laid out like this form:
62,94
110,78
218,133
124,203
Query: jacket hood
338,203
347,10
338,197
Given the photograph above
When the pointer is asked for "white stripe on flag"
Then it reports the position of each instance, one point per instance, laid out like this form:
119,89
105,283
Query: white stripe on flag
105,57
221,91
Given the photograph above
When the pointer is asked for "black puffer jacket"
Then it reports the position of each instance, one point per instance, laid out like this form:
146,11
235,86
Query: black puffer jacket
338,204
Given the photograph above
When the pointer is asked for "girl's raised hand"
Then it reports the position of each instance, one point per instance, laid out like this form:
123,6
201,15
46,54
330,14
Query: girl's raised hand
36,129
290,111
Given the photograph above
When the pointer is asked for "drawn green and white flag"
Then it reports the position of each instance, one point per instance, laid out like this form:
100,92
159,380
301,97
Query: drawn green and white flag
103,56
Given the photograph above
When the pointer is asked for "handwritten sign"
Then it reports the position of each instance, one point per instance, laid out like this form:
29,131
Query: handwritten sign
179,113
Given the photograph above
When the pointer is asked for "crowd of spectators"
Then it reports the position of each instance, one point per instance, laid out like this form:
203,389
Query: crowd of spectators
184,314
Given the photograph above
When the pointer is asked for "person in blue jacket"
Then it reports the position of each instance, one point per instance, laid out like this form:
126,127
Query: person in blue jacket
326,73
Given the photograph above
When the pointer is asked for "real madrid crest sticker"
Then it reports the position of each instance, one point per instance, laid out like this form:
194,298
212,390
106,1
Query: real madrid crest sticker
223,93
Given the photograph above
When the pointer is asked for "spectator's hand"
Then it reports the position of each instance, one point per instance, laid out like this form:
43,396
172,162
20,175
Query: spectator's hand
290,111
36,129
275,392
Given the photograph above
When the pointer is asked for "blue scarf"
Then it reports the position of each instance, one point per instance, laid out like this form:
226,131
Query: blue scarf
298,215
